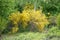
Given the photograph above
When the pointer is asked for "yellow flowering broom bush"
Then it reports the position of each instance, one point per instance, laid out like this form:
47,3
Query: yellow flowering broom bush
39,19
14,18
36,17
19,17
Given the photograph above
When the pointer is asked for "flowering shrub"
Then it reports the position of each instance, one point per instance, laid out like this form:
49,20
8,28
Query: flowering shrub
39,19
17,17
29,16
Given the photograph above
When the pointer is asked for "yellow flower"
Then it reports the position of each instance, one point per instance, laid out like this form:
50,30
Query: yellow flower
37,17
15,29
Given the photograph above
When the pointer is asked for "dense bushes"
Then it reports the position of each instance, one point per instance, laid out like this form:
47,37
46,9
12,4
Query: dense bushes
51,6
58,20
6,7
48,6
3,24
29,17
29,14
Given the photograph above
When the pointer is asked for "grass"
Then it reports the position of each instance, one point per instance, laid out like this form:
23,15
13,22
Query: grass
30,36
52,34
25,36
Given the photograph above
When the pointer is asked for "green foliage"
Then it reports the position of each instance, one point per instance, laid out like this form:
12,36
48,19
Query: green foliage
58,20
53,30
30,18
6,7
3,24
52,21
34,35
51,6
26,36
48,6
53,33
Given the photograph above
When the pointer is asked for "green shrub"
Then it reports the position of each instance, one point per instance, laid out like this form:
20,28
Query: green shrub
51,6
53,33
58,20
3,24
6,6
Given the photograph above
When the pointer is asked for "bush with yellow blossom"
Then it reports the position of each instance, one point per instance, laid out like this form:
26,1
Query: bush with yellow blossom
29,16
17,18
39,19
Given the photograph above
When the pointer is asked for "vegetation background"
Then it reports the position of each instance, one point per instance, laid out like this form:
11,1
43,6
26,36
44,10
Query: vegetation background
30,19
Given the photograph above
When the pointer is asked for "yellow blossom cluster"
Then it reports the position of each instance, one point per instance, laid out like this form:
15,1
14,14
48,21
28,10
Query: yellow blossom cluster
37,17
